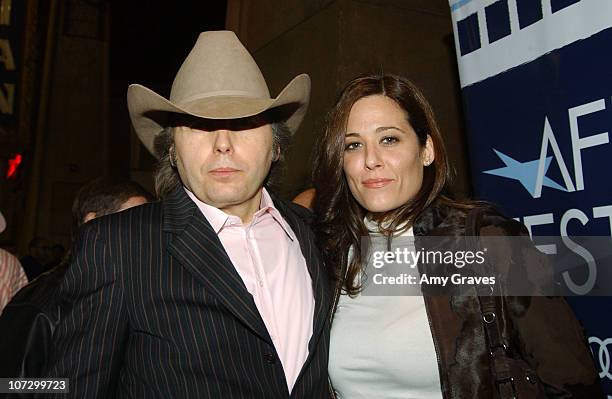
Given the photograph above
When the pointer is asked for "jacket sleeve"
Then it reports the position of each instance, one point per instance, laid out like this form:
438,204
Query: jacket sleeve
89,341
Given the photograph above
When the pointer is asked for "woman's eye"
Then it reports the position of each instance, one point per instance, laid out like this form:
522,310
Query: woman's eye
389,140
351,146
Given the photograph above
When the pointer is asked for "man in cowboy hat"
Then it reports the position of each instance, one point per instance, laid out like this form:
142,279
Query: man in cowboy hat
217,290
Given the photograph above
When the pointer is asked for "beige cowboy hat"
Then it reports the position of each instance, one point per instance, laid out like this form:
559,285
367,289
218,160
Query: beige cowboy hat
218,80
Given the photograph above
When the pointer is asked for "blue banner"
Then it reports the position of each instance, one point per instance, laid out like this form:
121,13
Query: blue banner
536,78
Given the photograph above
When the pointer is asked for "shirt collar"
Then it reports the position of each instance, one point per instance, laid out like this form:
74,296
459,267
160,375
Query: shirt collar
217,218
267,205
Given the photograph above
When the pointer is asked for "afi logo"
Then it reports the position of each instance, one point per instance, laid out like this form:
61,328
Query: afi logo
532,174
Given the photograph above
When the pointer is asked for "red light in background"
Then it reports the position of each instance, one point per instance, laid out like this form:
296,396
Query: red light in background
13,164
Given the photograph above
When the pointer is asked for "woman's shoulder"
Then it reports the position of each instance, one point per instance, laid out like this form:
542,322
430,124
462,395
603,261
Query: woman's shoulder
489,220
467,218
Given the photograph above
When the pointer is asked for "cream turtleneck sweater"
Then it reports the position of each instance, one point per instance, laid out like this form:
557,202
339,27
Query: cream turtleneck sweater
382,347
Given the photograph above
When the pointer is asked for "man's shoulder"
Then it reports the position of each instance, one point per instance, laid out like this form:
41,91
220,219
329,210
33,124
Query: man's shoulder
495,223
290,208
146,213
130,221
480,218
106,245
38,295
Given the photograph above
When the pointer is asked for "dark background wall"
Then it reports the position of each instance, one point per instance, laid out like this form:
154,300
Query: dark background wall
86,53
336,40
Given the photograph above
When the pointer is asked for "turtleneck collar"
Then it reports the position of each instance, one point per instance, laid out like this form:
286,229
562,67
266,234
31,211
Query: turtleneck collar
372,227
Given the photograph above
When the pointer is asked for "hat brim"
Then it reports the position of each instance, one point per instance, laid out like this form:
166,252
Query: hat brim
149,110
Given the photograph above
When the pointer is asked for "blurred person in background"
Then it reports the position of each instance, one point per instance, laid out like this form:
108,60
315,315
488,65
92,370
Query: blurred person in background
12,275
38,255
56,255
106,195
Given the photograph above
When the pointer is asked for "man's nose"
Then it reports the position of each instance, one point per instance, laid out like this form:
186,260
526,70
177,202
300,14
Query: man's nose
223,141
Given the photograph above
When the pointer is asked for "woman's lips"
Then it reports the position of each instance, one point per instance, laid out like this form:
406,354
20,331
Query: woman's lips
376,183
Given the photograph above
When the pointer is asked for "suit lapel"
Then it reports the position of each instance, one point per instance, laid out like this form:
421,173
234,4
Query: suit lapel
197,247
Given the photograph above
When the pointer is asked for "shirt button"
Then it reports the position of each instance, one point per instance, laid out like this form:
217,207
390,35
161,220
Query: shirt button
260,283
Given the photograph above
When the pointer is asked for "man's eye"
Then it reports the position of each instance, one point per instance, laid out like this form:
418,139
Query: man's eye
351,146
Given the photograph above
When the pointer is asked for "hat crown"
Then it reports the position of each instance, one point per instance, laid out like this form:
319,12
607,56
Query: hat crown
218,64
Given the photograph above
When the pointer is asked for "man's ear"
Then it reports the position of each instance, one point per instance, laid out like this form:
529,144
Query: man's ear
172,155
89,216
276,150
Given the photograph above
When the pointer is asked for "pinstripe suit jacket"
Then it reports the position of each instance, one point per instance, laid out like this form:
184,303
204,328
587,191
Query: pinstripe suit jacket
152,307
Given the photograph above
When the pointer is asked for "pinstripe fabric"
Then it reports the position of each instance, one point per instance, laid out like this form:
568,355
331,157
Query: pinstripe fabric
153,308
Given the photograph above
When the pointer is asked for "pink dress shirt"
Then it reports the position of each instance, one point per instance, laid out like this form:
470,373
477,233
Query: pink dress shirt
268,258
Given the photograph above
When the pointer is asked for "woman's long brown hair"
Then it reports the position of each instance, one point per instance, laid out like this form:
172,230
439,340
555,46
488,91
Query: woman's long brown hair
339,222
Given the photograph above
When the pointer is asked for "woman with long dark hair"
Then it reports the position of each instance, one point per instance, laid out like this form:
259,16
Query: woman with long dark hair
381,169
